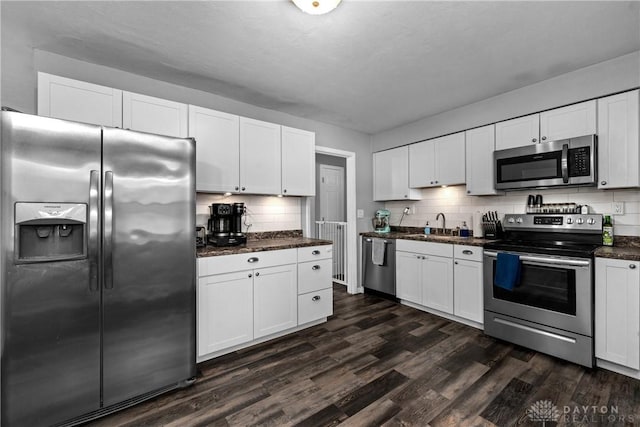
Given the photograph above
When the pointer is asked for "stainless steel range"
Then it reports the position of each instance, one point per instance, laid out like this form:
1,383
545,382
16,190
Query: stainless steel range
549,307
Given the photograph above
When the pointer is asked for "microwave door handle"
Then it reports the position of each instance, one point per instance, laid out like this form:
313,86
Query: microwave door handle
564,163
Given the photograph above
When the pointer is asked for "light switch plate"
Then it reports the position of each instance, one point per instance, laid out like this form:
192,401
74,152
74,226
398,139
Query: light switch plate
618,208
360,213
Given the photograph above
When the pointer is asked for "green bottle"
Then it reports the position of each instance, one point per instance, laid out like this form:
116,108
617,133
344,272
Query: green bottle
607,231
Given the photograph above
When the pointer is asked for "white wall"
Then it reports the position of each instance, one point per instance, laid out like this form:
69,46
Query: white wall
616,75
457,206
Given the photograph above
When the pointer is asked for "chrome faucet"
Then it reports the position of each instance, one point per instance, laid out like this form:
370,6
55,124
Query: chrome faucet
443,220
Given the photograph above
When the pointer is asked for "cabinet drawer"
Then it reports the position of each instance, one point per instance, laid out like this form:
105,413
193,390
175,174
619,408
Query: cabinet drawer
230,263
312,253
471,253
314,275
426,248
315,305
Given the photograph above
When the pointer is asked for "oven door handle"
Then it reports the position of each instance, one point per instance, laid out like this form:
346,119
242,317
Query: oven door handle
545,260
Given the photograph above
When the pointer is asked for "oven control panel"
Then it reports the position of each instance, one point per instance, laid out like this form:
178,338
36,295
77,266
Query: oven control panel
591,223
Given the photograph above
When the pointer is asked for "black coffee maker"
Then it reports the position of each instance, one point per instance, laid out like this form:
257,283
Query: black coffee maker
225,224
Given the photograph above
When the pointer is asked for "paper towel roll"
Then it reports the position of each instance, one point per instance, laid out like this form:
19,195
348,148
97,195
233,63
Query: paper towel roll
477,224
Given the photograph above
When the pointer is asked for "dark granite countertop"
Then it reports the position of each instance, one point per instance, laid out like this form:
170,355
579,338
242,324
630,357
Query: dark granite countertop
626,248
261,245
410,234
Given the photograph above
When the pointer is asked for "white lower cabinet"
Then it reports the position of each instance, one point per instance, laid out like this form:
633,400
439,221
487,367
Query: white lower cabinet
274,300
243,298
617,306
424,276
444,277
225,311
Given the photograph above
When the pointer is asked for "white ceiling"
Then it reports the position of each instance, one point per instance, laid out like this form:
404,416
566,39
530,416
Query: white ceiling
368,65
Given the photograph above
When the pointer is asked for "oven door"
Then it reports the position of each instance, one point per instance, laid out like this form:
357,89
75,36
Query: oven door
553,291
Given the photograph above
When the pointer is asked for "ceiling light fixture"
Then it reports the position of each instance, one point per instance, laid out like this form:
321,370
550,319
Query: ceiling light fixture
316,7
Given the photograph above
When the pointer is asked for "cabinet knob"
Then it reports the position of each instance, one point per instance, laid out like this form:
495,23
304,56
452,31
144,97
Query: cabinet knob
284,191
243,188
603,182
250,275
436,182
468,191
237,188
405,196
317,252
544,138
534,140
455,262
315,267
316,298
253,259
632,266
257,274
431,182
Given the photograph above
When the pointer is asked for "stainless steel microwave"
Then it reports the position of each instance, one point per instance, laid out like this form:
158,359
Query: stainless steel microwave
547,164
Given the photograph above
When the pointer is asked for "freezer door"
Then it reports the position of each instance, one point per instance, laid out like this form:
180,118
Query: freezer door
51,308
149,263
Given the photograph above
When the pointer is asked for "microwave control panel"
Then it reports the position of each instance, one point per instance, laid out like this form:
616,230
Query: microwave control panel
580,161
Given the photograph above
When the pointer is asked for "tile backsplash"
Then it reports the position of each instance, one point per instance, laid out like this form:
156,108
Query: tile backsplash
264,213
457,206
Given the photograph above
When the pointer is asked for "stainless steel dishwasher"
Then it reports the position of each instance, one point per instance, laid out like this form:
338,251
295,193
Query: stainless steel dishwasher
379,278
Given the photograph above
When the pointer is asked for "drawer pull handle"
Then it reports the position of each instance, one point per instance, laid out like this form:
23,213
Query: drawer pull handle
467,252
316,252
253,259
315,267
316,298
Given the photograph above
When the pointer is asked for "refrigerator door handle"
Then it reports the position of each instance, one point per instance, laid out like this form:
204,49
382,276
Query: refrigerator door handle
108,230
94,178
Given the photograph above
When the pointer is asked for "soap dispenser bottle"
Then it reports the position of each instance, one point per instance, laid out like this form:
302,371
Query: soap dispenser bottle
464,230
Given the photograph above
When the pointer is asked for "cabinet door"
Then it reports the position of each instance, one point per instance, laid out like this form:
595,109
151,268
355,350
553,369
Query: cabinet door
449,159
422,164
298,162
217,138
275,299
480,166
568,122
408,277
154,115
391,175
437,279
225,311
68,99
618,311
260,158
618,151
467,290
518,132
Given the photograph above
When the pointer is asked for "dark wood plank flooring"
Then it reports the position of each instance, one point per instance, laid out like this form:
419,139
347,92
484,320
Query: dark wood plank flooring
376,362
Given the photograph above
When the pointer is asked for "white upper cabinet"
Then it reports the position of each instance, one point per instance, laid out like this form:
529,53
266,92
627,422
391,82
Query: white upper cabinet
568,122
518,132
618,141
480,143
560,123
298,162
217,136
260,157
439,161
68,99
154,115
391,175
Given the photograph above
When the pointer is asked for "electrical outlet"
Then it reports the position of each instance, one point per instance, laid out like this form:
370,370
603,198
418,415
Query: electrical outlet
618,208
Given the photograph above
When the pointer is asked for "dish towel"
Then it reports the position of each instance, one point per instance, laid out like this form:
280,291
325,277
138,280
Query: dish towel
507,271
377,251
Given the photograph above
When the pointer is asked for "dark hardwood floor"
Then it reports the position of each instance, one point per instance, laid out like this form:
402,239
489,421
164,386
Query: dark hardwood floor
376,362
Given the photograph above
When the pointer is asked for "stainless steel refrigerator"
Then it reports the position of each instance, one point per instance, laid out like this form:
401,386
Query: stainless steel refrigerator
97,268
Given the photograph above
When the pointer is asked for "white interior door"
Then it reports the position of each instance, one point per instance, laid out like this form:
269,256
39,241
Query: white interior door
331,193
